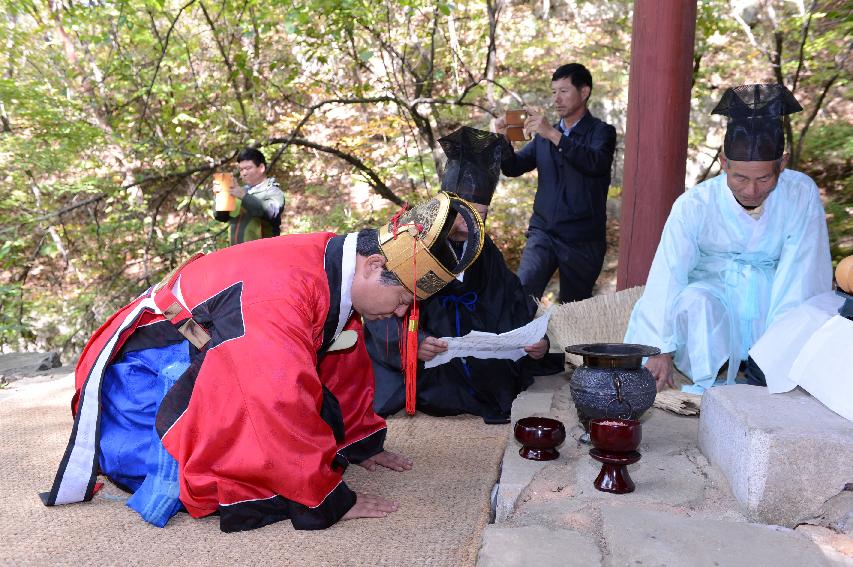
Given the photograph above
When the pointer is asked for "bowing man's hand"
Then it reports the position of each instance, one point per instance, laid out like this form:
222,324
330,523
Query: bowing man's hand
369,506
389,460
660,365
430,347
538,349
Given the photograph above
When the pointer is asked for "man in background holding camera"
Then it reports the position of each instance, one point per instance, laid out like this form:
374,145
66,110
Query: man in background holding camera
573,158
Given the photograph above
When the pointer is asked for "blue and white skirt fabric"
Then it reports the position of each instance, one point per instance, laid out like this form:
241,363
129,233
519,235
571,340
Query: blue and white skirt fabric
131,452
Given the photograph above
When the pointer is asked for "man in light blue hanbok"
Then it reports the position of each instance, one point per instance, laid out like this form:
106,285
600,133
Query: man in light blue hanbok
737,251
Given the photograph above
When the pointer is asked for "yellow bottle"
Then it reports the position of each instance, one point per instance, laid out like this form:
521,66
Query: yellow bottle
222,184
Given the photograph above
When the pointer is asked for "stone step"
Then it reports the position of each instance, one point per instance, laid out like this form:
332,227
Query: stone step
536,546
645,537
516,472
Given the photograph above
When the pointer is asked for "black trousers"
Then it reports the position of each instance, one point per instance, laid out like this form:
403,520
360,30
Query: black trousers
579,264
753,374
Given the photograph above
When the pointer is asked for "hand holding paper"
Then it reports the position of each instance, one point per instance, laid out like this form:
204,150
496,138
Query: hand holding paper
509,345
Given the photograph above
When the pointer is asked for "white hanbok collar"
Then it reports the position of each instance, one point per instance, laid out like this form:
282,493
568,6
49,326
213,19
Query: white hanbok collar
461,275
347,276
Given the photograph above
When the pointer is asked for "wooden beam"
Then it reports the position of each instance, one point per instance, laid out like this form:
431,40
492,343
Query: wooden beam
656,135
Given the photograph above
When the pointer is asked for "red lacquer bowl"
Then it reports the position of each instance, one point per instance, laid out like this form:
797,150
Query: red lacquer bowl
539,437
615,435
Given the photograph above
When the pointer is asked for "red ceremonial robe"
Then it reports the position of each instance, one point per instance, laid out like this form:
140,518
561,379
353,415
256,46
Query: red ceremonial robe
262,423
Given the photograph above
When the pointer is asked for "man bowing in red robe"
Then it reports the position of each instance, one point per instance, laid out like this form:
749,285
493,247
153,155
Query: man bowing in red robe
240,384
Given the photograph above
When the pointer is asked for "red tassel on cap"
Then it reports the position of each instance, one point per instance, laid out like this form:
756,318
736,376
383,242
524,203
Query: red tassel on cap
411,359
409,338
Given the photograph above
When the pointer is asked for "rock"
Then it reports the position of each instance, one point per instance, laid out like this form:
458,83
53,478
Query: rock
836,514
19,364
536,546
645,537
784,455
838,548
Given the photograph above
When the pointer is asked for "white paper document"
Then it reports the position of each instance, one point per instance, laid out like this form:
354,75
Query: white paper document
780,345
509,345
809,347
823,366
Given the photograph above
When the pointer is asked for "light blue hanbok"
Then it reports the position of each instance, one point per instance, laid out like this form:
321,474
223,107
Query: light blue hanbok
720,277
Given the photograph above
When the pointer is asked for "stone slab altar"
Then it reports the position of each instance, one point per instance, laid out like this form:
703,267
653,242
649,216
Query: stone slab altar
784,455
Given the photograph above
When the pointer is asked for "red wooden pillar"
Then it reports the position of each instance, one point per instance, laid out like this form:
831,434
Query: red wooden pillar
656,134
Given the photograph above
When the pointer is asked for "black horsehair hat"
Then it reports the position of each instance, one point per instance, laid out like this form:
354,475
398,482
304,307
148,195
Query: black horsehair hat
473,164
755,131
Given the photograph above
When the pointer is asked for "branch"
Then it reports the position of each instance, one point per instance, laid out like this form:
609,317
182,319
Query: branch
806,26
143,181
232,76
154,27
313,108
697,64
458,102
195,186
776,59
460,99
165,44
812,115
748,31
430,78
493,8
60,212
54,235
392,51
369,173
4,118
707,171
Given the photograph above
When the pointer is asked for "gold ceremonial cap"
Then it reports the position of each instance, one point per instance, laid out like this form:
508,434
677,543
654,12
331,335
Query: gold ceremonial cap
415,244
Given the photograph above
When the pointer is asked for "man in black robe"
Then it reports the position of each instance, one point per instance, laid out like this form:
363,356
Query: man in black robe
486,297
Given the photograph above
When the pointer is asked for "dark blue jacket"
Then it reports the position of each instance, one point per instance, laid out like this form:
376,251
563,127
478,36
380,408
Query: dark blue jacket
571,198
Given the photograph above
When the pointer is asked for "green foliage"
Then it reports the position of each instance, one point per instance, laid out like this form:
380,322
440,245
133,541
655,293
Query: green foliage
115,115
827,157
831,143
12,329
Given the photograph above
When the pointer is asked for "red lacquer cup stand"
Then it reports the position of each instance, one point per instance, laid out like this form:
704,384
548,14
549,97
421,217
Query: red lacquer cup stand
615,443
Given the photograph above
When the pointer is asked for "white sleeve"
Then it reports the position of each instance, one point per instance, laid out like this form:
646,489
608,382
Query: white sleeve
805,265
652,322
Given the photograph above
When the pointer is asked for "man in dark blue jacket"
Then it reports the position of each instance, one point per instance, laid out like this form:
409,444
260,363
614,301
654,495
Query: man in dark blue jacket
573,158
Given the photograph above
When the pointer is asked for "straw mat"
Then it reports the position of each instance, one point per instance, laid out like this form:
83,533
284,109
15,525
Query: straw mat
444,502
599,319
604,319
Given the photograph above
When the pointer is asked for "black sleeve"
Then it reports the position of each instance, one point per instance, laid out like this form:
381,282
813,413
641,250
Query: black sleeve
253,514
364,449
515,163
328,513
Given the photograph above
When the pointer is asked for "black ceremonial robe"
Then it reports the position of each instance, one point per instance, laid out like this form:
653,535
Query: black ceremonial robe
490,298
